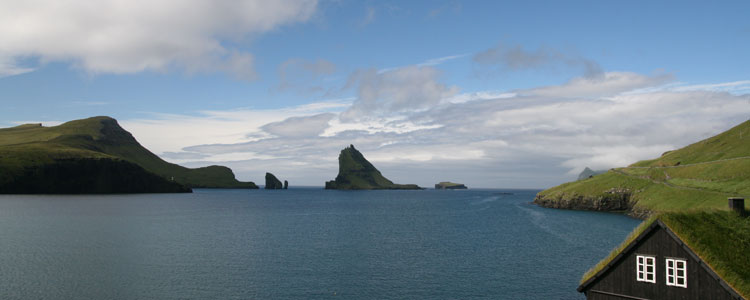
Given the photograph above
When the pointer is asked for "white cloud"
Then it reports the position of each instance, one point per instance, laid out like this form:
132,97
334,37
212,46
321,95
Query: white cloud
610,83
401,90
111,36
300,126
512,140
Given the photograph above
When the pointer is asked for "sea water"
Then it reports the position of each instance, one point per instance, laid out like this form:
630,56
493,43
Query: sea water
303,243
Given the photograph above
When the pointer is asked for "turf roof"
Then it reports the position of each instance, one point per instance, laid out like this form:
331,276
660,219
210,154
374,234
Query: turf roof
721,239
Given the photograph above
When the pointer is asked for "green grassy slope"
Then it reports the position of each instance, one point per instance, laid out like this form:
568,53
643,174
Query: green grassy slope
98,138
356,173
701,175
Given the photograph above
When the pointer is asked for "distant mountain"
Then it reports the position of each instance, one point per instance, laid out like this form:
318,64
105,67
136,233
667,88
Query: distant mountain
587,173
356,173
94,155
701,175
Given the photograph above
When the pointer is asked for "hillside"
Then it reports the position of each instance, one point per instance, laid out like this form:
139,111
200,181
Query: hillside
588,172
701,175
356,173
27,149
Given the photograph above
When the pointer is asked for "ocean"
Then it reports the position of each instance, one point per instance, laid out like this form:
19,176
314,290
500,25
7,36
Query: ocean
301,243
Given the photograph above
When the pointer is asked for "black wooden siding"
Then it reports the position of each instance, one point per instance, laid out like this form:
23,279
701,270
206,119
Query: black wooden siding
620,279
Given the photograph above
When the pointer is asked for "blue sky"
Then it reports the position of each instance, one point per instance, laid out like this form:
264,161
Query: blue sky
497,94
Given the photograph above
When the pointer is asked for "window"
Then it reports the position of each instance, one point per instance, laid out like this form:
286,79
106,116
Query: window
646,268
676,272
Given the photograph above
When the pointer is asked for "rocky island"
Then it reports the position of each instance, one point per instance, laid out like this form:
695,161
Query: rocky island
273,183
94,155
356,173
446,185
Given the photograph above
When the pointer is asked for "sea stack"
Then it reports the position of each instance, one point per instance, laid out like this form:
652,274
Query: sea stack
272,183
286,184
356,173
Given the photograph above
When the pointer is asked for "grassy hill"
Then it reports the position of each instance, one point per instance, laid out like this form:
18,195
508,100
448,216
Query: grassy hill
27,149
356,173
701,175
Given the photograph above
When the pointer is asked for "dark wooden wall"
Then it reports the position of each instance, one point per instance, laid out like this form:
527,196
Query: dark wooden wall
621,279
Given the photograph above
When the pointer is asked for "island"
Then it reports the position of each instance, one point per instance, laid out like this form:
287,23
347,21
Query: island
446,185
356,173
94,155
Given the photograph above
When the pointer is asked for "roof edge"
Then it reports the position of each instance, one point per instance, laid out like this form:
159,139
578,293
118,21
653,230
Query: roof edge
619,256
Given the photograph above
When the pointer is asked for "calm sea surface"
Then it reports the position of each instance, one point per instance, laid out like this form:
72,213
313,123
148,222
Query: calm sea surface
299,244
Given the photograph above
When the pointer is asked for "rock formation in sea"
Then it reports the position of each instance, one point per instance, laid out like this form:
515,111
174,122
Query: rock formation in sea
273,183
446,185
286,184
356,173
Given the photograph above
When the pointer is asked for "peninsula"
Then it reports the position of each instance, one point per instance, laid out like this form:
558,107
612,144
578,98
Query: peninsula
94,155
698,176
356,173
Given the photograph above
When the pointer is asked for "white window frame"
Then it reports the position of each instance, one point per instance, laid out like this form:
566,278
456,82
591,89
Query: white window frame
642,263
676,270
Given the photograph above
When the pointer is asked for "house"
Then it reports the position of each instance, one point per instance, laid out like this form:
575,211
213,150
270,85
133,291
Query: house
688,255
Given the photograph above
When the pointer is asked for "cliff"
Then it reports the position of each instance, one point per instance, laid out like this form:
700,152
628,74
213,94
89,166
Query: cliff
699,176
273,183
356,173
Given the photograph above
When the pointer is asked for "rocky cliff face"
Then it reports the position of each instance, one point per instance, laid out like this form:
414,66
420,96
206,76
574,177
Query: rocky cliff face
273,183
356,173
614,200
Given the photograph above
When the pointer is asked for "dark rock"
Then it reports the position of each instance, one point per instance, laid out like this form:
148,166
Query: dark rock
286,184
272,183
445,185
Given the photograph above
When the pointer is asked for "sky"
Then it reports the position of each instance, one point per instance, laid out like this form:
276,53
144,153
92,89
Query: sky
493,94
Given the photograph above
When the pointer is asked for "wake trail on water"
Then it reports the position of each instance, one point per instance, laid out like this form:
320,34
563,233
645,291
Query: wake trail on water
541,221
485,200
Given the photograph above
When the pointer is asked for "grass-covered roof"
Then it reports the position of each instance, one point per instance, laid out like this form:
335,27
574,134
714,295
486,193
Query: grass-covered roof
719,238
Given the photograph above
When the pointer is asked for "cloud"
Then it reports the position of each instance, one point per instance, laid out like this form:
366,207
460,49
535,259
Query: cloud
400,90
483,139
610,83
305,76
300,126
516,58
112,36
369,17
451,7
